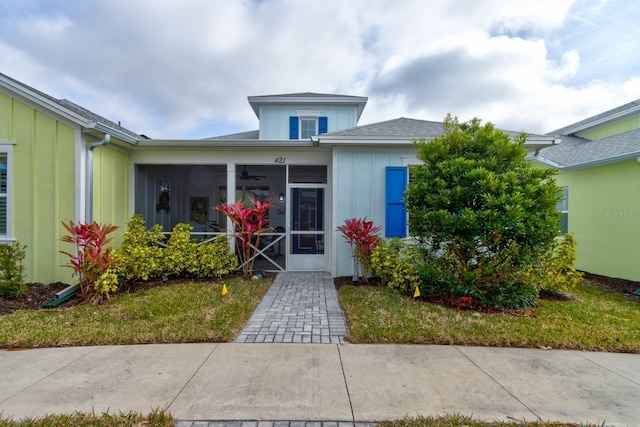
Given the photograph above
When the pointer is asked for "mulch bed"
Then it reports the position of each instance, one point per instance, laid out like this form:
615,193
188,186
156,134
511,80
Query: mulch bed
38,293
625,287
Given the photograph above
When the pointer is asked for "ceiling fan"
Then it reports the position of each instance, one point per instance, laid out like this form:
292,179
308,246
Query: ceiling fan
245,175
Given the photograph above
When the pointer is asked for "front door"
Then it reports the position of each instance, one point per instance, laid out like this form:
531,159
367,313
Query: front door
306,222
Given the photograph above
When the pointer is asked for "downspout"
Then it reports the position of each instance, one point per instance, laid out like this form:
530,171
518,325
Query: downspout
90,148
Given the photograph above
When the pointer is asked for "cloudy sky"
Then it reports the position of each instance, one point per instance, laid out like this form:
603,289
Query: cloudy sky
184,68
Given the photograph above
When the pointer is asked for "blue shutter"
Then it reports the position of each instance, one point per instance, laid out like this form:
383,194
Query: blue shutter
322,125
395,215
293,127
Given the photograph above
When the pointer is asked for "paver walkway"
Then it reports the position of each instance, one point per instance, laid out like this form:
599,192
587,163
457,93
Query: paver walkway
300,307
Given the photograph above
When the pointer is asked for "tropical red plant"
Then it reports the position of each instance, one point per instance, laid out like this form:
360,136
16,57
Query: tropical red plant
91,258
361,236
250,223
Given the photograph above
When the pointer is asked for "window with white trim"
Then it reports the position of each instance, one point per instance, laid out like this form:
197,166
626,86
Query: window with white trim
5,191
304,127
563,208
308,127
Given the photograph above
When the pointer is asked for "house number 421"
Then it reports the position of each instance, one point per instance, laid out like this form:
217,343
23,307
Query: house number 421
281,160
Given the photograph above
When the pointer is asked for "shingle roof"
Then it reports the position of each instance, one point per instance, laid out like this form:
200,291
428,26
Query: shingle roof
68,105
631,106
303,95
575,152
401,127
307,98
90,115
252,134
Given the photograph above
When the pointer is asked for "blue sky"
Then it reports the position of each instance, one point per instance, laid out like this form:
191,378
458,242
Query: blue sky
184,69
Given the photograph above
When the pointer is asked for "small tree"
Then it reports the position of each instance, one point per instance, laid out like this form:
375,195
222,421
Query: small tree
361,236
92,258
250,223
482,213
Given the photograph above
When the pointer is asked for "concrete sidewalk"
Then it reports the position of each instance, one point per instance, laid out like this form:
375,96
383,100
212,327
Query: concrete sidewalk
323,382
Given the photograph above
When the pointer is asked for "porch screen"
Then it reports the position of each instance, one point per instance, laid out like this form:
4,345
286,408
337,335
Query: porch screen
395,214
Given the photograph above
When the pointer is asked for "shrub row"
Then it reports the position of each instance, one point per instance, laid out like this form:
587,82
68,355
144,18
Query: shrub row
144,256
404,266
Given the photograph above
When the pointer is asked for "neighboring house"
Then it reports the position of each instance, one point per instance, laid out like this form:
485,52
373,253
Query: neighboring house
309,157
599,169
49,163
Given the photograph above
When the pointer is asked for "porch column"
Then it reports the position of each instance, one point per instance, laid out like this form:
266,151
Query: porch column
231,198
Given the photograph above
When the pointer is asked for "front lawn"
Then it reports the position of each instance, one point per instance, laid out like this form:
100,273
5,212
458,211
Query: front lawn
185,312
598,321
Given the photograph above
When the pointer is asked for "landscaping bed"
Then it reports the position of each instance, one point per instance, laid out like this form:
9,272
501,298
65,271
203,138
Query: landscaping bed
39,293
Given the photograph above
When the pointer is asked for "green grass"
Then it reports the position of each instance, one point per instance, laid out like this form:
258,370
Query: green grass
598,321
463,421
79,419
188,312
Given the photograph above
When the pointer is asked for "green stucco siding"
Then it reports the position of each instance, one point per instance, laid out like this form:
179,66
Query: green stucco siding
604,215
111,189
611,129
43,186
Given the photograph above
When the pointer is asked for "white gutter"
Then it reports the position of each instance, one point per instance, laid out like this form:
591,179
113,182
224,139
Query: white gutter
602,162
89,189
234,143
111,131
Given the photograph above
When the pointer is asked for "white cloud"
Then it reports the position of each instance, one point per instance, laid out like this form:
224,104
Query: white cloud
185,68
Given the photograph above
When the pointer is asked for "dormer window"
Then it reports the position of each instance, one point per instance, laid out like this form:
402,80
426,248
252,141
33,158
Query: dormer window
304,127
308,127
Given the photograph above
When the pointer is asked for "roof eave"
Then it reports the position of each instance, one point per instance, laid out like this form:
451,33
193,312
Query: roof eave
59,110
39,99
235,143
572,129
591,164
364,140
603,162
257,101
113,132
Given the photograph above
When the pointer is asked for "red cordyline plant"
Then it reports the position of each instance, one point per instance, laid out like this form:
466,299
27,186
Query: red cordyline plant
250,223
92,257
361,235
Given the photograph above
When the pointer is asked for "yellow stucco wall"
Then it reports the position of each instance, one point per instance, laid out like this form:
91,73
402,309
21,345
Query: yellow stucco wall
604,215
111,189
43,194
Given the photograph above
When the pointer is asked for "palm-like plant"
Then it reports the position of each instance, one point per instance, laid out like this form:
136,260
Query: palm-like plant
250,222
362,237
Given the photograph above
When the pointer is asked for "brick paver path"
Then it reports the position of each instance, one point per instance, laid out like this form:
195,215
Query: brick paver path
300,307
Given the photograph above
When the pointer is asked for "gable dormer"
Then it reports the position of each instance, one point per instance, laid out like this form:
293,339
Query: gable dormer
302,116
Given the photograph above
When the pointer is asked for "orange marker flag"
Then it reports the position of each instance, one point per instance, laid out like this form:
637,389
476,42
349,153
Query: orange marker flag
224,289
416,294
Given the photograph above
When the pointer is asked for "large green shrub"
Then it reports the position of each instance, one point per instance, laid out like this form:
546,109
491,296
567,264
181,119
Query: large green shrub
482,213
139,257
12,270
397,264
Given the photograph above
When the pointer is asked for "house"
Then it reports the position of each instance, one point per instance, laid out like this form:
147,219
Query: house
309,157
598,162
56,166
